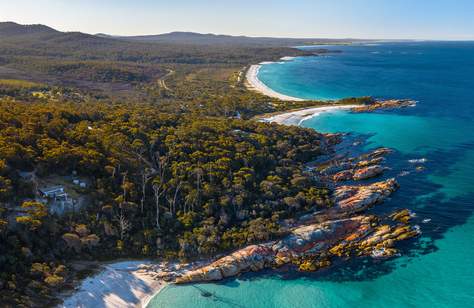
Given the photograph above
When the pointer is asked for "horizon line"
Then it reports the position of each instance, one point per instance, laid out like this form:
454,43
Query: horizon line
254,36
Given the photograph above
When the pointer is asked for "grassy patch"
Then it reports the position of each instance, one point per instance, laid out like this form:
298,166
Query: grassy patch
20,84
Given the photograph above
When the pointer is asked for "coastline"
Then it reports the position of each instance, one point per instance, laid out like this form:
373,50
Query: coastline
254,84
296,117
292,117
120,284
136,283
133,284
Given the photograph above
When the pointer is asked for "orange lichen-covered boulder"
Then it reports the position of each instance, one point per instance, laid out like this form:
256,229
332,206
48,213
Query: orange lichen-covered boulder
343,176
368,172
357,198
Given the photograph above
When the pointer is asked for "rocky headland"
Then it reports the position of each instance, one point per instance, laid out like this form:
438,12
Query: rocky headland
312,246
384,104
368,104
311,242
319,239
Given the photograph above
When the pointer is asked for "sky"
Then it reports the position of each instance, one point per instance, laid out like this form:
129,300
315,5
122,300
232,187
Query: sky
371,19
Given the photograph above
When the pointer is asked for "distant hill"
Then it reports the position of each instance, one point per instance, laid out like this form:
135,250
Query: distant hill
105,35
11,29
194,38
41,48
28,35
40,37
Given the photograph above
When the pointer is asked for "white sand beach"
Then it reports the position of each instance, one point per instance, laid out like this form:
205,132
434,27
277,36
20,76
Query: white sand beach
122,284
291,117
298,116
253,83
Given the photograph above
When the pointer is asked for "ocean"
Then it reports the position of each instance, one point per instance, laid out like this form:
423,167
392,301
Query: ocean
433,162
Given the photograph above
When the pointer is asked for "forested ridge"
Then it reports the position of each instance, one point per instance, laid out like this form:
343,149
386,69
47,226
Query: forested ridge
173,166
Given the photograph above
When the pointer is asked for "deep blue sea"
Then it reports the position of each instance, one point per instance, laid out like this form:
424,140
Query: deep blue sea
435,270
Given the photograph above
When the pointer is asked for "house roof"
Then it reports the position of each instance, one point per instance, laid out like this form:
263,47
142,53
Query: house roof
53,189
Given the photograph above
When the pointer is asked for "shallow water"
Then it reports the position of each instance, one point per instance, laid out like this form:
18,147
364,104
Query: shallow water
435,270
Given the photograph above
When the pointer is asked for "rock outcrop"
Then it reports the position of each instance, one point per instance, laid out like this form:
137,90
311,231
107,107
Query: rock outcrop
350,199
251,258
309,247
353,199
377,153
356,168
368,172
359,174
403,216
342,176
392,103
310,239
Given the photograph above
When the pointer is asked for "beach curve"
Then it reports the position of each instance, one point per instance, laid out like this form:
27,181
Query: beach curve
296,117
292,117
121,284
255,84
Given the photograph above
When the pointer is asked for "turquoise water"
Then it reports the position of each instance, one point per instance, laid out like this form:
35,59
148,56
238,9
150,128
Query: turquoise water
436,270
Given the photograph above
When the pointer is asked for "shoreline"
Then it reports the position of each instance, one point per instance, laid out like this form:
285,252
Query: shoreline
296,117
291,117
119,284
254,84
136,283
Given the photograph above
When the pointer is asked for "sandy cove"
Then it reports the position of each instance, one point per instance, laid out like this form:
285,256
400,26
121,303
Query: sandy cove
287,118
254,84
126,284
121,284
295,117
